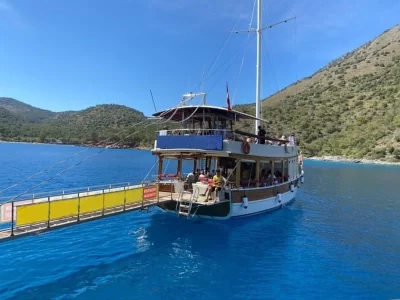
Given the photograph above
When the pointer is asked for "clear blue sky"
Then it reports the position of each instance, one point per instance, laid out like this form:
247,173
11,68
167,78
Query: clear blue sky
68,55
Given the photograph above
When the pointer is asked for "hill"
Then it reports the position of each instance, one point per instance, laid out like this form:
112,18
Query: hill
22,122
349,108
24,111
99,123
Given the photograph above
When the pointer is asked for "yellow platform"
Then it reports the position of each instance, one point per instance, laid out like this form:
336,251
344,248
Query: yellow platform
41,214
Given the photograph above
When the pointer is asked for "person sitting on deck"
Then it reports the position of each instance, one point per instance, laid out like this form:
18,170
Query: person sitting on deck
202,177
217,182
263,178
271,179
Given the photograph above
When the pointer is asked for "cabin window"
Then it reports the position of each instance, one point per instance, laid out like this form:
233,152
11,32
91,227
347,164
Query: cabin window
227,167
278,171
265,173
286,170
248,174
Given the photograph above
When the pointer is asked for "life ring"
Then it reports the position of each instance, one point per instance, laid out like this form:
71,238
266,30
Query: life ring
246,147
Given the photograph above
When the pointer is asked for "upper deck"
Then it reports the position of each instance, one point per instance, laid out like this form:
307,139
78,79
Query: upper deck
219,143
210,129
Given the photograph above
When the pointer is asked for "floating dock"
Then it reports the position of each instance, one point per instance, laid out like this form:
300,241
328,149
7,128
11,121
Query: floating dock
36,215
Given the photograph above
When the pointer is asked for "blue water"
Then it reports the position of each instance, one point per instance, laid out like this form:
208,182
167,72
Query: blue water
339,240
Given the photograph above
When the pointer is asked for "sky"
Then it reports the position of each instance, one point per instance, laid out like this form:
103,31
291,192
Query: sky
69,55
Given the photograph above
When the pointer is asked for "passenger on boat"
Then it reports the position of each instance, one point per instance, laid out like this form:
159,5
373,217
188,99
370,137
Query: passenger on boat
271,179
261,133
263,178
278,176
202,176
215,186
292,141
189,175
196,175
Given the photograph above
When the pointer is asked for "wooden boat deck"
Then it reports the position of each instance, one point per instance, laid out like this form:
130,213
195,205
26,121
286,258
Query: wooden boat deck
185,196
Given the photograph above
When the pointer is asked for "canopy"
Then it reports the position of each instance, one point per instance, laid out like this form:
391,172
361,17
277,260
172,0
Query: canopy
198,112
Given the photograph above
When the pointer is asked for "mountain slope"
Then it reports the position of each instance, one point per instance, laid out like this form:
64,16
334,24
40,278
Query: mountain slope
25,111
21,122
349,108
95,123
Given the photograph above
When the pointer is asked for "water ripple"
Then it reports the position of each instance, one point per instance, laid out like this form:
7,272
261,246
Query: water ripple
340,239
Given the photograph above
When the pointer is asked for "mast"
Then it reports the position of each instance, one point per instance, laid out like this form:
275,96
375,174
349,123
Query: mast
258,31
258,66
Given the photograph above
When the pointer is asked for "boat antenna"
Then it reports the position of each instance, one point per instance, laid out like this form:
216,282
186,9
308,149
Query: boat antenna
203,78
152,98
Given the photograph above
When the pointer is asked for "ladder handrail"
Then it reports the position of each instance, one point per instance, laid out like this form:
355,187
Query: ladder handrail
194,197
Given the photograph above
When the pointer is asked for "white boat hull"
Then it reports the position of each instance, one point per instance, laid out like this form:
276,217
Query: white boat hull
260,206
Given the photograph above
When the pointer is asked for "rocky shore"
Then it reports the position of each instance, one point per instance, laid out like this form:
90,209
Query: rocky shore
352,160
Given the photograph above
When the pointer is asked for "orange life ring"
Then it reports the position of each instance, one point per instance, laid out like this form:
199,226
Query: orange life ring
246,147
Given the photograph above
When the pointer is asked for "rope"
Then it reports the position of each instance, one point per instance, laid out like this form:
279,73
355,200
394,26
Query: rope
150,171
244,53
97,153
166,167
223,73
297,57
60,162
79,152
227,179
209,73
252,14
223,46
240,71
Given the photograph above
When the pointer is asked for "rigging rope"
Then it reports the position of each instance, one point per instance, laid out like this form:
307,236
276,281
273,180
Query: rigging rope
223,46
252,14
166,167
62,161
208,73
226,69
97,153
240,71
150,170
297,57
82,151
244,54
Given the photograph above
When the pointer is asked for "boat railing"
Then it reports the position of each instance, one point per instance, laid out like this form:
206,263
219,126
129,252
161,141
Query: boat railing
65,191
235,135
73,205
226,133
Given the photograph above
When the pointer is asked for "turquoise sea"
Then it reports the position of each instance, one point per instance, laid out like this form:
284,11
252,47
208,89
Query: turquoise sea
340,239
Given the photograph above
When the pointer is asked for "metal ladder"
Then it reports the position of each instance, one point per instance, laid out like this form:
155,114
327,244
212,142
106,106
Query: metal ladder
185,206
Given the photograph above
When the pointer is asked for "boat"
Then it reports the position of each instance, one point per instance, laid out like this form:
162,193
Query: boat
231,173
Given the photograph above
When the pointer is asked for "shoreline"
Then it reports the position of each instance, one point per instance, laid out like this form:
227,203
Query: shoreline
352,160
331,158
124,147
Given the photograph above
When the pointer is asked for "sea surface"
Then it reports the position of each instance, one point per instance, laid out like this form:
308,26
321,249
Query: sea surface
340,239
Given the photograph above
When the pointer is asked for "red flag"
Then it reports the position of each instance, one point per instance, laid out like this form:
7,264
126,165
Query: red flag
228,101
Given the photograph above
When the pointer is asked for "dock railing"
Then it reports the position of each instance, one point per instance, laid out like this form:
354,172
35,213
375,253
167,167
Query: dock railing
52,209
